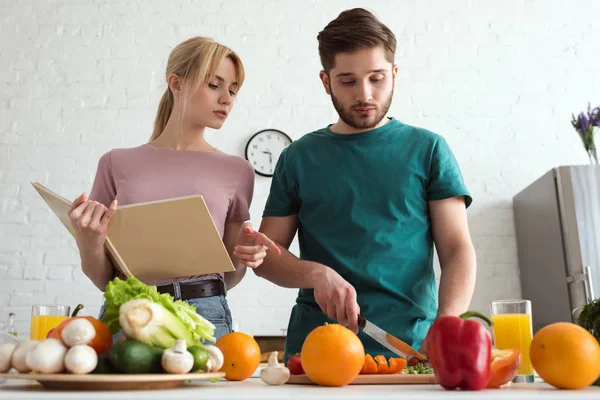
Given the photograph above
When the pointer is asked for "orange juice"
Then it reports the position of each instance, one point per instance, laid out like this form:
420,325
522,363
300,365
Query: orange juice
513,331
42,324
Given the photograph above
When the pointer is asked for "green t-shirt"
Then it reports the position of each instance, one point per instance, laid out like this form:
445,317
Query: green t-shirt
362,205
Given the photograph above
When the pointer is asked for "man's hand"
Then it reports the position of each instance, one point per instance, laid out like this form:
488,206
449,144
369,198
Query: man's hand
252,246
337,298
424,346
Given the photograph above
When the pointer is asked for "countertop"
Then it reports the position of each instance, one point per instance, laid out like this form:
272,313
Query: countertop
254,388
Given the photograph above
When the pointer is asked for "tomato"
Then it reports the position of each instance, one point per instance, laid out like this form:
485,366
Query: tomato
294,364
102,342
414,361
505,365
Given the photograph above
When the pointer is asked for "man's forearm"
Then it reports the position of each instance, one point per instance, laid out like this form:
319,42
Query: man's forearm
457,282
289,271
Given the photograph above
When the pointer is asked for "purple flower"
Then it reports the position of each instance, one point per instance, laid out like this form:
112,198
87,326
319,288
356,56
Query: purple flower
585,122
595,117
584,125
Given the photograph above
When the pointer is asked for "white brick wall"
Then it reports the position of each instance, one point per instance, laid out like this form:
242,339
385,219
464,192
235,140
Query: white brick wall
498,79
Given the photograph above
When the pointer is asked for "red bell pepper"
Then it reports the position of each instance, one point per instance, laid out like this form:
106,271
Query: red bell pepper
505,365
460,351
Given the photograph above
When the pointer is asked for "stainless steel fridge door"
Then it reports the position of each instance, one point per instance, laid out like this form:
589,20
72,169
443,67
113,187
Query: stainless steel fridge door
580,189
541,251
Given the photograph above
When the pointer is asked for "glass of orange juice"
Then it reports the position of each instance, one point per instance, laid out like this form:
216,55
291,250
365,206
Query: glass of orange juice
513,330
44,318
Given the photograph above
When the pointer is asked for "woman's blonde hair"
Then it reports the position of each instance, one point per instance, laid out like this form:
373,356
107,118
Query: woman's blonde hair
196,60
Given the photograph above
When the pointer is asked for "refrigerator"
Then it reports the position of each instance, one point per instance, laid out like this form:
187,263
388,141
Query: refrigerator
557,226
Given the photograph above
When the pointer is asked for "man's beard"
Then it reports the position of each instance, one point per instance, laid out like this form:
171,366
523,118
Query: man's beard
358,122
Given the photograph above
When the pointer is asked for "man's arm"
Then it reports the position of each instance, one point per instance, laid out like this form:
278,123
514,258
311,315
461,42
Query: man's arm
298,273
456,254
335,296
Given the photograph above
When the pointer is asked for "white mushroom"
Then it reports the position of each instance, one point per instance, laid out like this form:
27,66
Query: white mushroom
177,360
48,357
19,356
215,359
274,374
78,331
81,359
6,353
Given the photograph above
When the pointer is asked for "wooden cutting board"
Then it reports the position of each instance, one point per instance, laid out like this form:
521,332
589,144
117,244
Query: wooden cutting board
393,379
113,381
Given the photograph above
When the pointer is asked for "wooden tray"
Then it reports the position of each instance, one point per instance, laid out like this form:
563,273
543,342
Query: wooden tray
113,381
392,379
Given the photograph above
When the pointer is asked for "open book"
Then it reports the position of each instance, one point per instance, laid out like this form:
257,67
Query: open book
157,240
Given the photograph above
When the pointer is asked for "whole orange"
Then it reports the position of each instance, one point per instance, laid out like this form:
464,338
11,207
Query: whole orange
565,355
332,355
241,355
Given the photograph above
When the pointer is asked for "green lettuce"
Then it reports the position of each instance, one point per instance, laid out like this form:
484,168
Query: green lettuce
119,292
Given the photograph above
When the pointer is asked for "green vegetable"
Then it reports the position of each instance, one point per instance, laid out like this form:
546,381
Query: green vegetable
180,321
200,357
417,369
151,323
133,357
104,365
589,318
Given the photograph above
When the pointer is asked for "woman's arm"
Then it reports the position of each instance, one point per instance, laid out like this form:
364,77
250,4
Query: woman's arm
89,220
230,239
246,247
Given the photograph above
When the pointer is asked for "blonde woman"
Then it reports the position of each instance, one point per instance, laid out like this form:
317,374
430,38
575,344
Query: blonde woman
203,79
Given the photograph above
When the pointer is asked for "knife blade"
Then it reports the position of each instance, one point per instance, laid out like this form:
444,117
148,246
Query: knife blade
388,341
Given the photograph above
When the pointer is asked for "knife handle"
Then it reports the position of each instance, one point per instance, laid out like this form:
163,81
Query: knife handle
362,322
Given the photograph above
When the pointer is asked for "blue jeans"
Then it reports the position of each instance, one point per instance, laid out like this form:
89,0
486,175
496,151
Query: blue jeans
215,309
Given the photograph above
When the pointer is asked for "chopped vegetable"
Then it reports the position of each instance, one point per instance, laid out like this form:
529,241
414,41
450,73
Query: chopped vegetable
417,369
379,365
382,365
370,366
396,365
119,292
414,361
505,365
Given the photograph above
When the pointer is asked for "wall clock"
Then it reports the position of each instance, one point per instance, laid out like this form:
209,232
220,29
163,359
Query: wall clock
264,148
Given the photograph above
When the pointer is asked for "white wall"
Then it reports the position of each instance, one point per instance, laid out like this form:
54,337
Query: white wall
499,79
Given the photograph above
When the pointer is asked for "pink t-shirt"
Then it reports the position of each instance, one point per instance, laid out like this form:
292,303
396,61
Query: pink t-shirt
149,173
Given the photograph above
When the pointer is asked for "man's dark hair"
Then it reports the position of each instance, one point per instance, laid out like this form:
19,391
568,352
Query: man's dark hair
353,30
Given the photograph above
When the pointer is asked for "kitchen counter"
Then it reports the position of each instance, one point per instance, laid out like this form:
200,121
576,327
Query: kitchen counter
255,389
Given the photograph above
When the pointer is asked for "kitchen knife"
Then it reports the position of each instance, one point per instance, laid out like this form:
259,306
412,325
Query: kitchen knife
388,341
